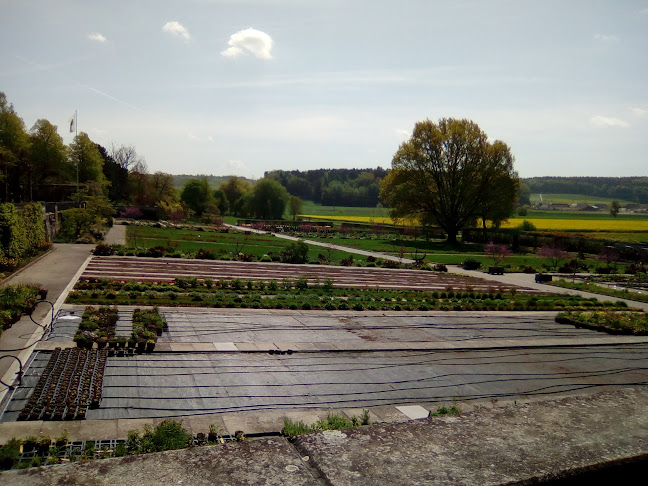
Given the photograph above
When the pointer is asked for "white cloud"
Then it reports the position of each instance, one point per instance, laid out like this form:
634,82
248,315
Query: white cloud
249,41
177,29
196,138
639,111
99,131
237,167
97,37
608,121
608,38
403,134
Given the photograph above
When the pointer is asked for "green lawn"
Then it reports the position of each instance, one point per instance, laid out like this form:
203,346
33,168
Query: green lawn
310,207
574,198
438,251
230,243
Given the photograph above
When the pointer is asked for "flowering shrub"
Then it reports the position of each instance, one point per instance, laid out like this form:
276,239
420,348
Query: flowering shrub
131,213
497,252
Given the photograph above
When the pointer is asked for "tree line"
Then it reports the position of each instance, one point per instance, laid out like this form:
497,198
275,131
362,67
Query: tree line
263,199
626,188
35,165
333,187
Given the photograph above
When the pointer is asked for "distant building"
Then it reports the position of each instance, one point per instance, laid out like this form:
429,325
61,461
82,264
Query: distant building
591,207
559,206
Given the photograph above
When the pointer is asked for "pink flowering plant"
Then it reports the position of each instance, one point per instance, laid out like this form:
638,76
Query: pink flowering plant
497,252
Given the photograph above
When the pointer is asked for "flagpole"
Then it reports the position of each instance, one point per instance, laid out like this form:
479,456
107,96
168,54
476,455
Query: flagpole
76,134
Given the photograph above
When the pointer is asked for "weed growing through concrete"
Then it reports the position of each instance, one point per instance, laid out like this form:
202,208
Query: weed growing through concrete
332,422
452,410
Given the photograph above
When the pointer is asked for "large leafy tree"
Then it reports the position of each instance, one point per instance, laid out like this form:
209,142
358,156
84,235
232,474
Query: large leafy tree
197,195
268,199
295,206
116,175
48,156
449,174
85,157
221,201
163,188
500,196
14,150
234,188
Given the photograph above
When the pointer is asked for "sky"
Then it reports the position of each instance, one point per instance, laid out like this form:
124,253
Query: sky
240,87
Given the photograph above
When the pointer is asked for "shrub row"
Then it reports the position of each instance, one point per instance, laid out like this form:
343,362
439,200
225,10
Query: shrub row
22,231
607,321
337,299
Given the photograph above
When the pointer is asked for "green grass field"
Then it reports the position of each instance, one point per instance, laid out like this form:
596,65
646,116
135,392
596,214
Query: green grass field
309,207
189,241
438,251
574,198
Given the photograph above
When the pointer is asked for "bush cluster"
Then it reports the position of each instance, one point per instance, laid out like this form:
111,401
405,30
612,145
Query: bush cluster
16,300
302,294
609,321
22,231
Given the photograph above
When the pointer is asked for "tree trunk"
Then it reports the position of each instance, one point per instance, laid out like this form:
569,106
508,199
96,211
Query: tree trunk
452,237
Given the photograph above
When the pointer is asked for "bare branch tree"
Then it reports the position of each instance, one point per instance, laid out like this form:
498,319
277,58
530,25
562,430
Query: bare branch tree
128,158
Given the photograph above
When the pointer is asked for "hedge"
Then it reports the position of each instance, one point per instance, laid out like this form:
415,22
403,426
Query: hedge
22,231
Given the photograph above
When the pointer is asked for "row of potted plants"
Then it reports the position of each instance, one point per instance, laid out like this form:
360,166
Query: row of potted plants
338,298
70,383
97,325
148,324
169,434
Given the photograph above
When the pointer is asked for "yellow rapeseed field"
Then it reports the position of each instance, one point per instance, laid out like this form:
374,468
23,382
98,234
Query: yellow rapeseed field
542,224
582,224
354,219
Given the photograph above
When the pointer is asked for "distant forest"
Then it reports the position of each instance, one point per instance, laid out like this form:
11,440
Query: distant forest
361,187
214,181
626,188
333,187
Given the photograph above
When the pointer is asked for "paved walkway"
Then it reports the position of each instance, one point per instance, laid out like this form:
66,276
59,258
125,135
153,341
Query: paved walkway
528,281
116,234
55,271
347,249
